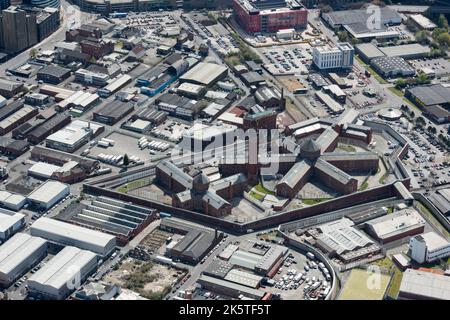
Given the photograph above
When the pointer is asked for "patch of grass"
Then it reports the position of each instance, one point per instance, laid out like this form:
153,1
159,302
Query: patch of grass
256,195
383,263
311,202
259,187
347,148
396,91
138,279
376,75
364,186
356,287
396,281
383,178
133,185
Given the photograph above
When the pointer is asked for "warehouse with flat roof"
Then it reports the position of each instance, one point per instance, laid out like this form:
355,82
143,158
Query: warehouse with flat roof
48,194
64,273
400,224
53,74
73,235
406,51
10,223
73,136
205,74
391,67
38,134
112,112
233,290
18,255
422,285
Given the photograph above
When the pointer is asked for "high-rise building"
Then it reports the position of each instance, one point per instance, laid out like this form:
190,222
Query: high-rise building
19,29
23,27
338,57
45,3
4,4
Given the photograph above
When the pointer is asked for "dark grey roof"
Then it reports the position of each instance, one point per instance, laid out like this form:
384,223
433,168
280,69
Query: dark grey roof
11,108
361,16
54,71
432,94
200,178
332,171
392,64
310,145
178,174
339,156
115,109
296,173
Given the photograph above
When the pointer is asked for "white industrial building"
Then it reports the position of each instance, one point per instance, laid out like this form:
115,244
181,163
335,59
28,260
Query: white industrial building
10,223
73,136
18,255
12,201
422,285
48,194
429,247
73,235
337,57
43,170
63,274
398,225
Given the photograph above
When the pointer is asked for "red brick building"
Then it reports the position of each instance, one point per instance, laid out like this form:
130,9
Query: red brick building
269,15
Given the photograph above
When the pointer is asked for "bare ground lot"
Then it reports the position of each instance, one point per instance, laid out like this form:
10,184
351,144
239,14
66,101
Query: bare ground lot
151,280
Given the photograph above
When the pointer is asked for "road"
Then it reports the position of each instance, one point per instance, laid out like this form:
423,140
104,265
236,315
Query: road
196,271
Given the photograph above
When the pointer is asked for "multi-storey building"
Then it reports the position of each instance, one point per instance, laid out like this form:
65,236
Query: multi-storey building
339,57
269,15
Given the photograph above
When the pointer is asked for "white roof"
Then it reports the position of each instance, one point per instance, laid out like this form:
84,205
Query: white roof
73,132
14,199
74,232
140,124
9,219
190,87
244,278
4,195
397,222
423,21
47,191
60,270
204,73
17,249
434,241
425,284
43,169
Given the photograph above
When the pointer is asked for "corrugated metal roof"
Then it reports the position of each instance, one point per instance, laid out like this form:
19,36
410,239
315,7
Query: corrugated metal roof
18,249
61,270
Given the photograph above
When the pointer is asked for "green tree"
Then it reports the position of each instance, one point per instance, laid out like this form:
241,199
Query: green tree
420,121
422,78
444,39
442,22
422,37
400,83
33,53
343,36
126,160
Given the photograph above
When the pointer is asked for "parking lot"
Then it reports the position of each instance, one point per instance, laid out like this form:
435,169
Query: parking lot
123,144
287,60
440,67
301,277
